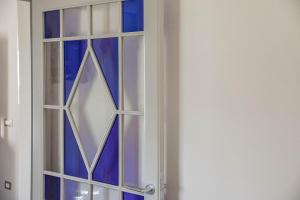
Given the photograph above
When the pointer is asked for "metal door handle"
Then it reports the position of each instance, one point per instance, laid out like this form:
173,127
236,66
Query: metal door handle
149,189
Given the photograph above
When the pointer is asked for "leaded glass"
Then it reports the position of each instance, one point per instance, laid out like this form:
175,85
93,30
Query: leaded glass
133,15
92,109
128,196
107,168
73,162
73,55
52,188
52,24
106,51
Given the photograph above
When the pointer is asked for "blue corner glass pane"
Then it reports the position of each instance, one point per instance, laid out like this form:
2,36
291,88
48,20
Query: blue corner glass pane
133,15
73,54
107,168
52,188
106,51
73,162
128,196
52,24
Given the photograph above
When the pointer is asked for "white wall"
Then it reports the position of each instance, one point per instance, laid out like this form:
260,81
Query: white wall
234,99
15,99
8,100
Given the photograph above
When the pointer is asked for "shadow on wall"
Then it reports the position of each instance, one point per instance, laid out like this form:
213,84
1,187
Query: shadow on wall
172,17
7,155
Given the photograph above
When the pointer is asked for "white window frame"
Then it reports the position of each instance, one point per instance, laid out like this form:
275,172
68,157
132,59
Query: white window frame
154,91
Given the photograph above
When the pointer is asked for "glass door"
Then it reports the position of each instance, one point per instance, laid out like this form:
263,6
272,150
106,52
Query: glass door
100,104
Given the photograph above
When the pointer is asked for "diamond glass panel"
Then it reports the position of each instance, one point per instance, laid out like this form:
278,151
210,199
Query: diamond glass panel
107,168
76,191
52,24
105,18
52,188
75,22
92,109
74,164
128,196
52,140
100,193
106,51
73,55
133,15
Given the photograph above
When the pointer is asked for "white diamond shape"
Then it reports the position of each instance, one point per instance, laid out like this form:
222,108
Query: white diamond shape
92,108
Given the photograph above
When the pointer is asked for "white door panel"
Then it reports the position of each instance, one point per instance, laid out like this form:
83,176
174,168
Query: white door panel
139,105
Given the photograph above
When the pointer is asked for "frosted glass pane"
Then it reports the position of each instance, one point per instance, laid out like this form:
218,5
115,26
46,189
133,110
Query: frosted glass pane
106,18
75,190
52,140
134,64
52,73
100,193
75,21
92,109
133,150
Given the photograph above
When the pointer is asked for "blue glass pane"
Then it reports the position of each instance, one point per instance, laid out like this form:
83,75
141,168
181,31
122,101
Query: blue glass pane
74,164
107,53
52,24
128,196
73,55
133,15
107,168
52,188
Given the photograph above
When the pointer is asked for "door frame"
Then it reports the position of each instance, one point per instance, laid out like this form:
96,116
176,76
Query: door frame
154,91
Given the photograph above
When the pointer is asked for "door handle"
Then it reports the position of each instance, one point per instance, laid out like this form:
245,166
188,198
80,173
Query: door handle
4,123
149,189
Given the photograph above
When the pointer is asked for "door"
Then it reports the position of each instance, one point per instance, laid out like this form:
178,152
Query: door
97,100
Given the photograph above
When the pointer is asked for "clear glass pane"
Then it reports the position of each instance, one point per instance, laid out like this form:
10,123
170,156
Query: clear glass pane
107,168
134,64
106,18
52,24
100,193
73,161
52,140
92,109
52,188
75,190
128,196
75,21
133,150
52,73
133,15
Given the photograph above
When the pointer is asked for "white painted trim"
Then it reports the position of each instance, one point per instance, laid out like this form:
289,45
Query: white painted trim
95,2
86,181
88,37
